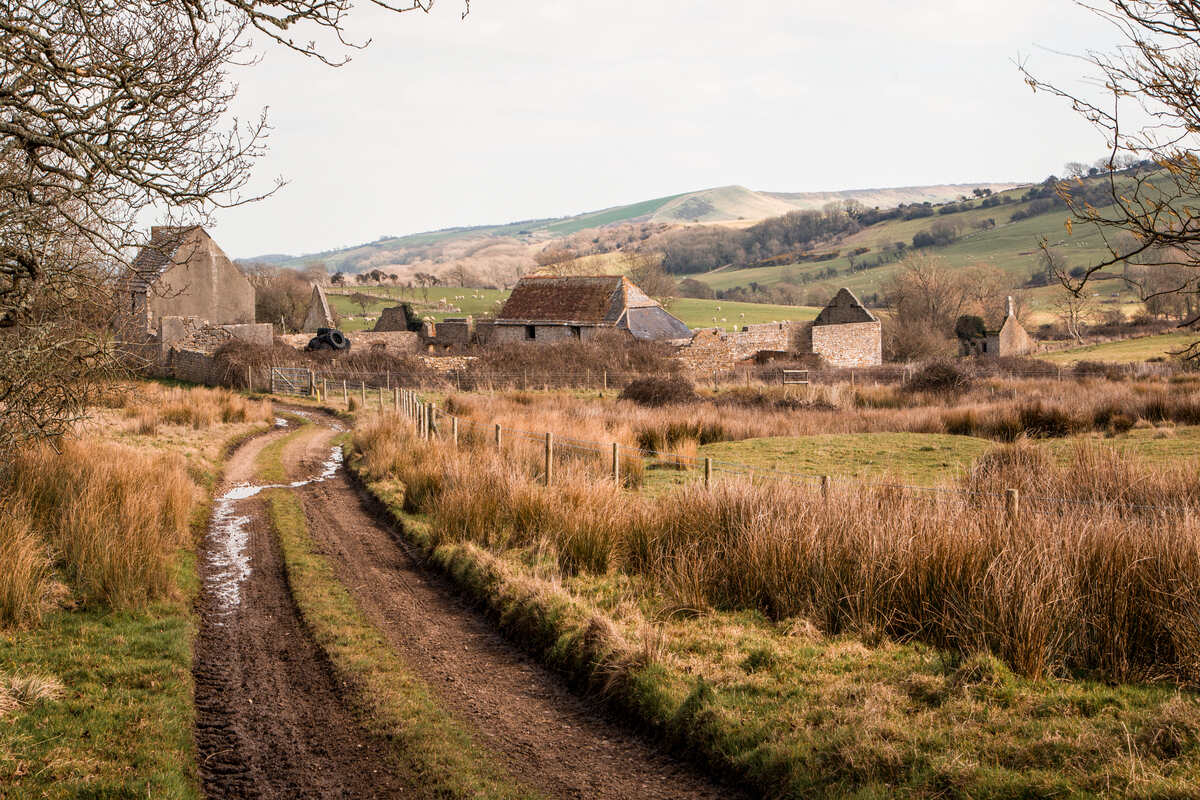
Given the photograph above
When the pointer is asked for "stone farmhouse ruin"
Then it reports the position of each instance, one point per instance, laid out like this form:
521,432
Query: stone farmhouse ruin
844,334
1010,339
181,300
181,272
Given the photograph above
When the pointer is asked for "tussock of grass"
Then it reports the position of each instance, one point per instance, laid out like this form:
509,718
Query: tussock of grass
114,517
151,405
25,579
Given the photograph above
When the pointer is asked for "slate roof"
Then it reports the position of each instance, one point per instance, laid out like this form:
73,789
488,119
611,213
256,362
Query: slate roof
843,309
156,256
583,299
655,323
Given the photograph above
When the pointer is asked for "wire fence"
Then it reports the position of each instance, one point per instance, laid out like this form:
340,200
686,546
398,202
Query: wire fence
429,421
467,376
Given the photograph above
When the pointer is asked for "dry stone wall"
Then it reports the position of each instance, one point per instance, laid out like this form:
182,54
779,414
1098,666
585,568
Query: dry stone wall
855,344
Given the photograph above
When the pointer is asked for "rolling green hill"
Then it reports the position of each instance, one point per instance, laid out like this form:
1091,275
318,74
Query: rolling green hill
722,204
1010,246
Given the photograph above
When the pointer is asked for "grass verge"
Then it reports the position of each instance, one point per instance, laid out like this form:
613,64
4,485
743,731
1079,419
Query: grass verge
121,726
396,704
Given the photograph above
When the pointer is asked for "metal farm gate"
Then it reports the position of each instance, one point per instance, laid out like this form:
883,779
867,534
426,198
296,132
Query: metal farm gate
292,380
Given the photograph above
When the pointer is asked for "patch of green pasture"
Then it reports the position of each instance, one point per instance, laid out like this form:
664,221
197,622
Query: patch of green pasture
729,315
473,302
1142,348
123,726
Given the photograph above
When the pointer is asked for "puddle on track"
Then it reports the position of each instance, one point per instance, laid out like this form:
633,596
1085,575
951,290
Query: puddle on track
228,536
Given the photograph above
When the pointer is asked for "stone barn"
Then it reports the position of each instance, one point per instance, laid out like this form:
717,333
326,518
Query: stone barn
845,333
182,272
553,309
1010,339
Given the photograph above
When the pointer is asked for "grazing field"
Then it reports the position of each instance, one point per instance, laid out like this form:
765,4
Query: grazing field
1142,348
870,641
96,625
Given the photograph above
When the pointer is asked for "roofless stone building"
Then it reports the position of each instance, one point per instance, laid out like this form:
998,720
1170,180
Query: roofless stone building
181,272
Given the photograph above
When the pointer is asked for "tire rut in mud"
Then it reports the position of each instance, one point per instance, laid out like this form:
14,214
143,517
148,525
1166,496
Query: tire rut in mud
557,742
272,720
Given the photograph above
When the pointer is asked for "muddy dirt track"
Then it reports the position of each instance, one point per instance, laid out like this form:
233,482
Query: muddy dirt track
271,719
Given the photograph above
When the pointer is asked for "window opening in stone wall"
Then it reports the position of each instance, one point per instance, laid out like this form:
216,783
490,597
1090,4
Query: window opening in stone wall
530,332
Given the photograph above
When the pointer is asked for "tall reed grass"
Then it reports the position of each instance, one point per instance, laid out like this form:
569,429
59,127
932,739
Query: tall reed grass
1002,409
1064,587
112,517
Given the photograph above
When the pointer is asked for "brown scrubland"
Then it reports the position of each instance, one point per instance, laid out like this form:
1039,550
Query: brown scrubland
1098,572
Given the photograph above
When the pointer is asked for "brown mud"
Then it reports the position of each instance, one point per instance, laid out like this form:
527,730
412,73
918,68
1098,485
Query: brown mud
272,720
555,741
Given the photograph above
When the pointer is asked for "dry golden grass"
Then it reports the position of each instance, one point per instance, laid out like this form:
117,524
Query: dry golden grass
113,516
1067,585
152,404
1002,409
25,578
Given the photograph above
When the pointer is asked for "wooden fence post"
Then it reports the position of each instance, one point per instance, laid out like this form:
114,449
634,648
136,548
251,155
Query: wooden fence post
325,389
616,463
396,400
432,423
1012,504
549,457
825,488
454,429
249,378
499,436
364,395
606,380
707,471
312,382
382,402
345,394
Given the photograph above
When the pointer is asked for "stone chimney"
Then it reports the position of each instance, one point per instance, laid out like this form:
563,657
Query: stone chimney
1010,313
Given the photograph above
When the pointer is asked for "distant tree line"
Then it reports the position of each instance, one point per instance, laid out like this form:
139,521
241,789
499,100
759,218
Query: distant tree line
701,249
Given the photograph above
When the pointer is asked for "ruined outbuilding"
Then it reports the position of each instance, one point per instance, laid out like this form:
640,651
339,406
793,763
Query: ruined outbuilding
846,333
1010,339
552,308
319,314
181,272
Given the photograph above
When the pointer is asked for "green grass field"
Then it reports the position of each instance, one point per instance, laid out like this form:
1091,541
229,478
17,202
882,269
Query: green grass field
1141,349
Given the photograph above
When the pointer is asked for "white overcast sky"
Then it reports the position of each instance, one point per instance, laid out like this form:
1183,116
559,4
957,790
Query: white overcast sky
533,109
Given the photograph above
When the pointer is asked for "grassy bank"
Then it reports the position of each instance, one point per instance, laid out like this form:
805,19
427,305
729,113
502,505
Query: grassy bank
96,632
742,624
432,746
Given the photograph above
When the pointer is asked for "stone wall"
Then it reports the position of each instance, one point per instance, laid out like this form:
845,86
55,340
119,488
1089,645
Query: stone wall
543,334
394,343
857,344
391,319
713,350
192,366
203,283
1013,340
